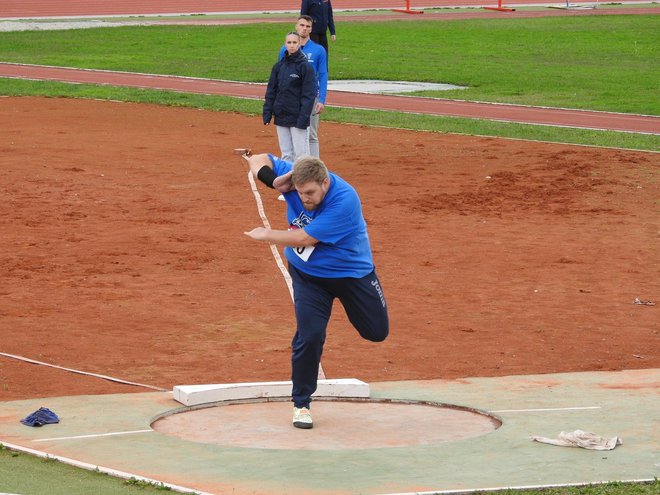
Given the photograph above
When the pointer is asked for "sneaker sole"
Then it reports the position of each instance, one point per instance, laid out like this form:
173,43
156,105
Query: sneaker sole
303,426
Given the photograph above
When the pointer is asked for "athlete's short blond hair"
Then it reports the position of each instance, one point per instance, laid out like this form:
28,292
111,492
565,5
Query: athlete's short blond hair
308,169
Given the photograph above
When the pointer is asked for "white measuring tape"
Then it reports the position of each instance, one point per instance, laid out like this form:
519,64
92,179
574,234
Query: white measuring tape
273,247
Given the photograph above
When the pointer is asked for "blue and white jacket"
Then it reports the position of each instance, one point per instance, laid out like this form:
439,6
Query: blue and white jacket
291,91
317,57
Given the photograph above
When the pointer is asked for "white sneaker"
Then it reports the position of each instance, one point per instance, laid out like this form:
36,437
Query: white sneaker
302,418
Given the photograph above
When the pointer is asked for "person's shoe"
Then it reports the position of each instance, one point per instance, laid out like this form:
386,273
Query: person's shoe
302,418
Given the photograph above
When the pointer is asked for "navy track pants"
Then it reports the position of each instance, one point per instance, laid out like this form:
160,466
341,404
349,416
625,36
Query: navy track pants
365,307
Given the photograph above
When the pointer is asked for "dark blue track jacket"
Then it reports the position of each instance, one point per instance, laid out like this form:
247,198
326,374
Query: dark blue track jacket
291,92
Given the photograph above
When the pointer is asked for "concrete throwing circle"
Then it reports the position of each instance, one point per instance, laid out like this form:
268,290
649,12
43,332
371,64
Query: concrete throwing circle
338,424
385,87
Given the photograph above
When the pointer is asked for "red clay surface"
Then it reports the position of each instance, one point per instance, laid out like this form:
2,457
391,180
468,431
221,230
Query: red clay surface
122,252
54,8
12,9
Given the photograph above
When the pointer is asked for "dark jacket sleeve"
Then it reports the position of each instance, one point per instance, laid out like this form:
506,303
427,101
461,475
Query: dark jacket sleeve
304,8
271,92
331,20
307,96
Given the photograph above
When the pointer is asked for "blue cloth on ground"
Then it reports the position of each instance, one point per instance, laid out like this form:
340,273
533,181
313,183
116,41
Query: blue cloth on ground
40,417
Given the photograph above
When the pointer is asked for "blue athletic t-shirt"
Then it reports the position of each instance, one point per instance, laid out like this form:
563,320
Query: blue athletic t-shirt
343,249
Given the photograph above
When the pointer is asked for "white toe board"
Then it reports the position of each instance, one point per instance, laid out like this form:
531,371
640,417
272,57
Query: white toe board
192,395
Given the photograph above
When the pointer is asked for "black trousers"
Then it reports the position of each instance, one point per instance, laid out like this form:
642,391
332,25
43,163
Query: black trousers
321,39
365,306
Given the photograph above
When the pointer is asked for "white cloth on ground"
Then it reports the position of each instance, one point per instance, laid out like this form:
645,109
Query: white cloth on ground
583,439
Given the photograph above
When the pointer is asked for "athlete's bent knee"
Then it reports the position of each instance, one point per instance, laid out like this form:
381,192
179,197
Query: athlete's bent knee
376,334
381,337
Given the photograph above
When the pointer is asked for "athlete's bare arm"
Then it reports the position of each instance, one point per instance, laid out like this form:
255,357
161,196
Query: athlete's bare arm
292,238
282,183
255,162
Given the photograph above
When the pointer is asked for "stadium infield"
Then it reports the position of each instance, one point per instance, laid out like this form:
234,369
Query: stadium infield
114,434
503,260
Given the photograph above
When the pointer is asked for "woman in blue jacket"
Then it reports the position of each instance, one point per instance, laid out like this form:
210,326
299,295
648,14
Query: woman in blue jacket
289,98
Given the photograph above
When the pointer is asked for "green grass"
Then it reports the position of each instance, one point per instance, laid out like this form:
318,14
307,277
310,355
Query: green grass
595,62
28,475
606,489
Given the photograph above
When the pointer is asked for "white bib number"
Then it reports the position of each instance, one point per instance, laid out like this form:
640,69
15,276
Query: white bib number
303,252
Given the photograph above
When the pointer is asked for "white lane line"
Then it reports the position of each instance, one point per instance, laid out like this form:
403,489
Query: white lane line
521,487
110,378
273,249
93,436
546,409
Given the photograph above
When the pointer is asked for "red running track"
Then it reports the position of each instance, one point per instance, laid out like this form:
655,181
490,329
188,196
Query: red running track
432,106
73,8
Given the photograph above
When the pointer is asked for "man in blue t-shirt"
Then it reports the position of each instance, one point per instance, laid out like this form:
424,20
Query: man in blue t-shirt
327,247
317,58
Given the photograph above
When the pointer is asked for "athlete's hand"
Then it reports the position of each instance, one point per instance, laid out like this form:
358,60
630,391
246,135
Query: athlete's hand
283,183
258,234
319,108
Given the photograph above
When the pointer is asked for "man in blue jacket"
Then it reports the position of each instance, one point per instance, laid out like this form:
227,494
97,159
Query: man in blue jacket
321,12
317,57
329,255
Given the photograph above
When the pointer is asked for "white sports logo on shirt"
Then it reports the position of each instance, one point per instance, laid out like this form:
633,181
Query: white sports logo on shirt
303,252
